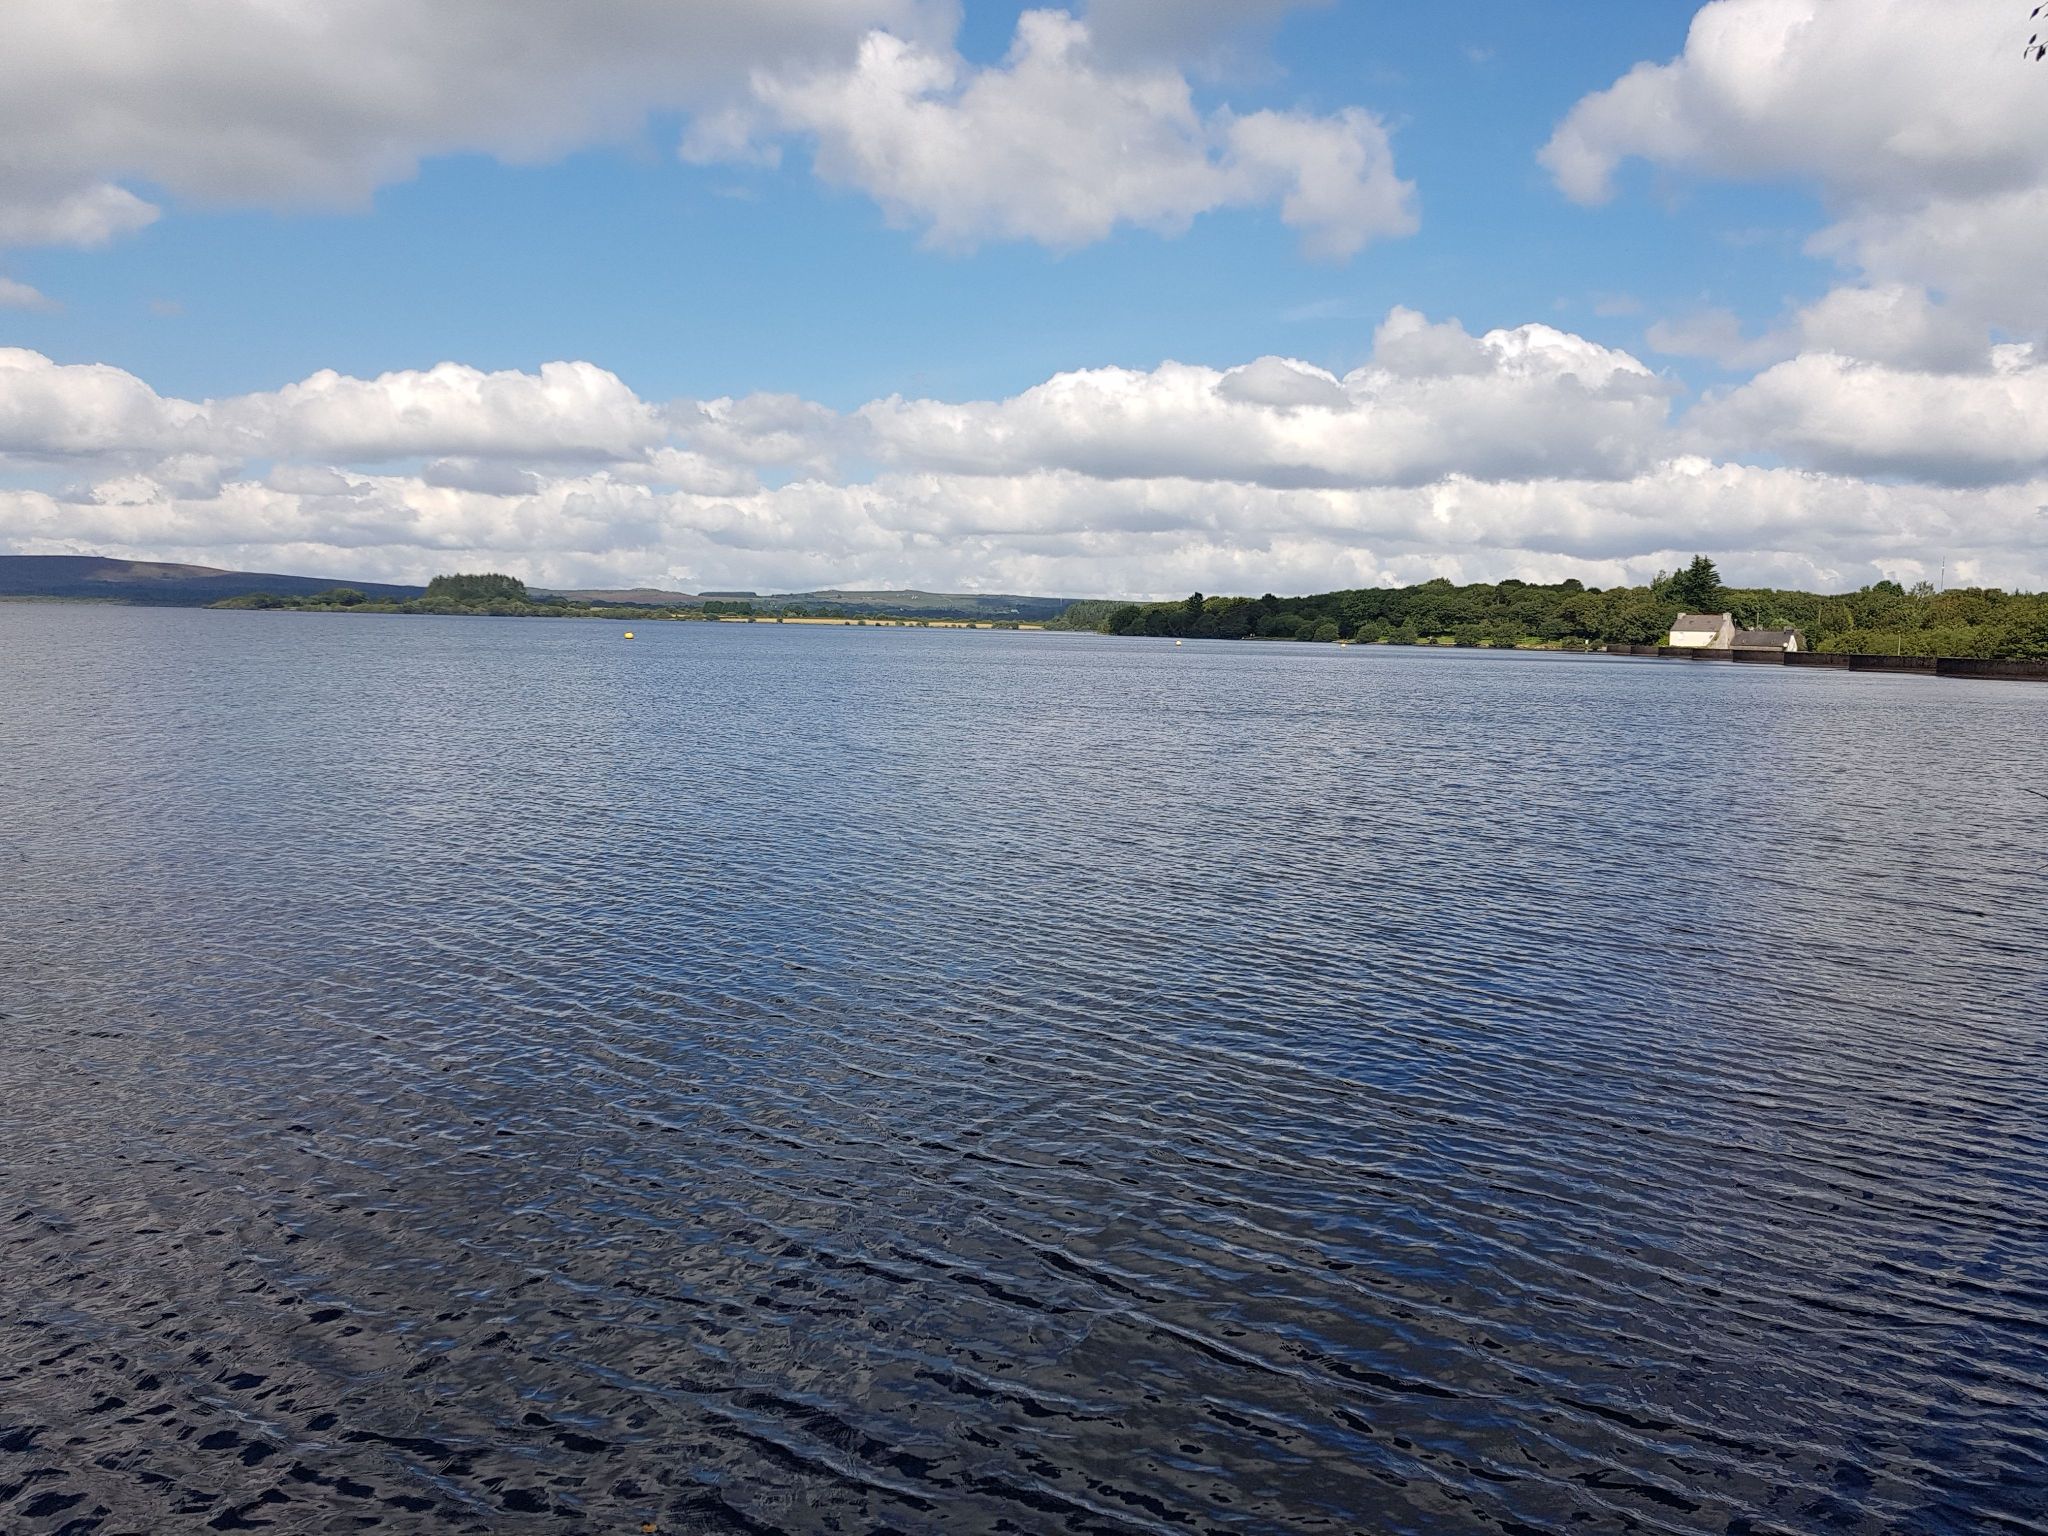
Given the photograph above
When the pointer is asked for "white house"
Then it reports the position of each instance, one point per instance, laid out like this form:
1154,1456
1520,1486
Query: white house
1703,631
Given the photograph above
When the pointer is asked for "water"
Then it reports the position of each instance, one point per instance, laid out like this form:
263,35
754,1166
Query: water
477,1075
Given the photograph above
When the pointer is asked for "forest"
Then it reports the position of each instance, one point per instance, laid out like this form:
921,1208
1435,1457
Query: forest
1884,618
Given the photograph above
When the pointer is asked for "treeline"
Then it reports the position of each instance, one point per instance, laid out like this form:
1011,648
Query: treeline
496,596
1884,618
488,594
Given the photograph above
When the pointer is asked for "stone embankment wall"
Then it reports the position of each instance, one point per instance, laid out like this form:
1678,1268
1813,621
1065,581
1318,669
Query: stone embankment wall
1926,666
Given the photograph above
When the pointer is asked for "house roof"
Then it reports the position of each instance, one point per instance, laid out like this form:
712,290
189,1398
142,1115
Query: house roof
1777,639
1700,621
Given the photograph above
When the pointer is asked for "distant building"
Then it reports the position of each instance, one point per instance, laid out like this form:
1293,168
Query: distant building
1766,640
1704,631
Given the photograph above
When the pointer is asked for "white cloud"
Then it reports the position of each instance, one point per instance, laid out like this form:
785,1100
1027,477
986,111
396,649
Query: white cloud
1523,451
83,215
565,411
14,295
1717,335
52,410
1891,323
1062,532
1892,98
1865,418
248,102
1434,401
1896,324
251,102
1917,121
1056,145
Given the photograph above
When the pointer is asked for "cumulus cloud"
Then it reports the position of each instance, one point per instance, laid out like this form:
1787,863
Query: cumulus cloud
565,411
1866,418
53,410
1057,531
1057,146
1518,452
1891,323
1434,401
245,102
1896,324
1917,121
1925,134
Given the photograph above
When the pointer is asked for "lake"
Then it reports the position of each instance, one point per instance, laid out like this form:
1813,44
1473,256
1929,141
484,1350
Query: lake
489,1075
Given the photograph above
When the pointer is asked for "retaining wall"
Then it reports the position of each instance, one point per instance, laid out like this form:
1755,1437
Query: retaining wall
1843,661
1971,666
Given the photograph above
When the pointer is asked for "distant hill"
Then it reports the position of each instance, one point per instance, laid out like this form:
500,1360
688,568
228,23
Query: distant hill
194,586
153,581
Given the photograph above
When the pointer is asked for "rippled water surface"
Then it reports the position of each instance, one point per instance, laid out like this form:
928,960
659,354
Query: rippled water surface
484,1075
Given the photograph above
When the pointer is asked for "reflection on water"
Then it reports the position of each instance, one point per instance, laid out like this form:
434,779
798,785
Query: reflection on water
469,1075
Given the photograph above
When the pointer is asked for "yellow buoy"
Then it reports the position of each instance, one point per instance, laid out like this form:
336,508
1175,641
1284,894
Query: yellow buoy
629,634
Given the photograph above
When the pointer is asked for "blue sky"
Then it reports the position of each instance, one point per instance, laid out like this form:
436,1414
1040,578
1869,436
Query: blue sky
1737,277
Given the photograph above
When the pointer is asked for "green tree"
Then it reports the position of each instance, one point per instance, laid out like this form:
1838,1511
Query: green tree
483,588
1698,587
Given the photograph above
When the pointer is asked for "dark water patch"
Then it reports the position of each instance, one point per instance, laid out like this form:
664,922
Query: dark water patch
474,1076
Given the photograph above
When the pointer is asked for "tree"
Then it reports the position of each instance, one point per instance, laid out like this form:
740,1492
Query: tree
1698,587
488,588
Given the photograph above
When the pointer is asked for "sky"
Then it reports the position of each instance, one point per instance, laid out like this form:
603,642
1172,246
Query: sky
1133,298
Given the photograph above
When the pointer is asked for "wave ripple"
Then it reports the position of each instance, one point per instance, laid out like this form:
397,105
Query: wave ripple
473,1076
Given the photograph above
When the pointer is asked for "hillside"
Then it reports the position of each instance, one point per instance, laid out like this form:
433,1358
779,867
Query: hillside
153,581
195,586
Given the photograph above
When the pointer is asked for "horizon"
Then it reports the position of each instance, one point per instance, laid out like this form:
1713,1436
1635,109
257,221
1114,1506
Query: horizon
1121,300
843,589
